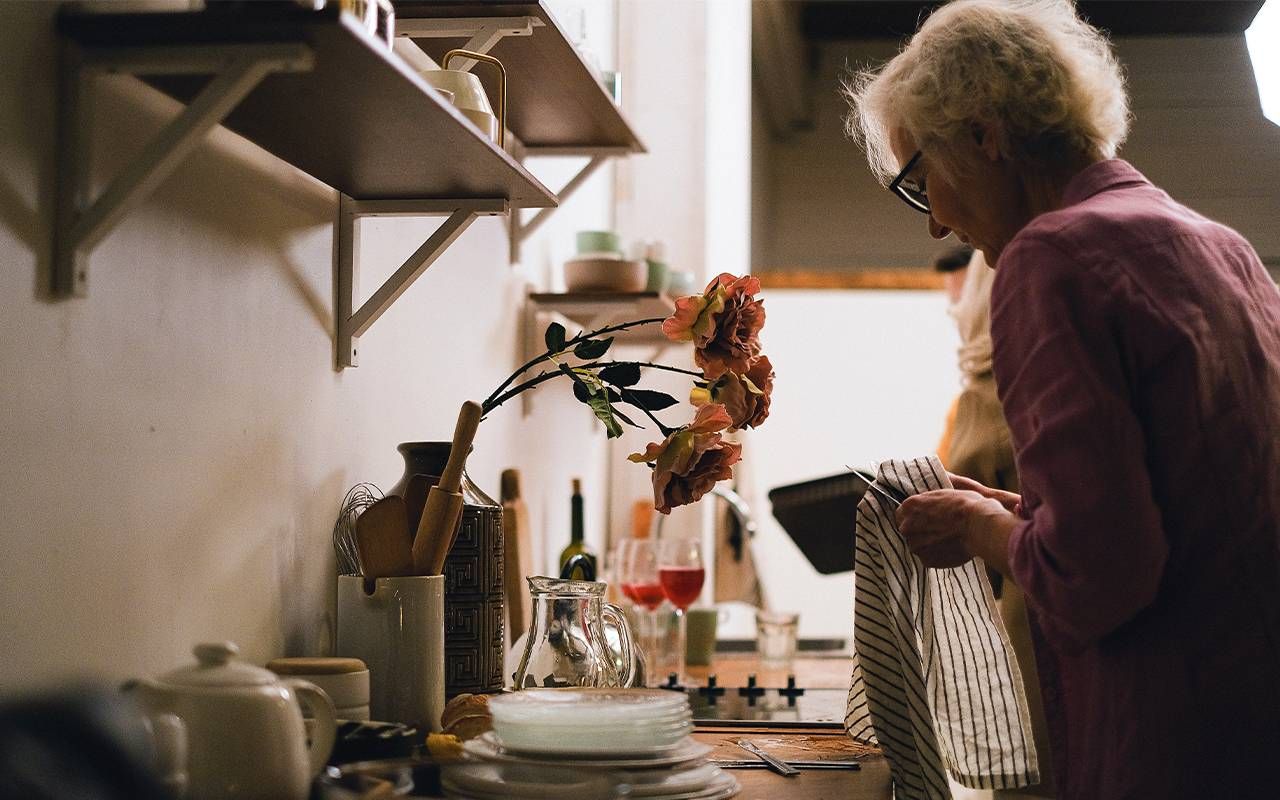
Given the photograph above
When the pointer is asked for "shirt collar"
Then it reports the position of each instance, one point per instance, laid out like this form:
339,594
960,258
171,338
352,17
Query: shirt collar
1095,178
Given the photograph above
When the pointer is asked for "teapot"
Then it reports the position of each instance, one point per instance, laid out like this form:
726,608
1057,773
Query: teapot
567,643
242,726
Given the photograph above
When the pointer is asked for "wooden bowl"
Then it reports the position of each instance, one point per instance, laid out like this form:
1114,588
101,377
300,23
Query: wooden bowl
605,275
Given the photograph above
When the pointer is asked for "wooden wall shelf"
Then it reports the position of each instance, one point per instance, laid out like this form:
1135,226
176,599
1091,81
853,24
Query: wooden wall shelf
555,105
553,99
312,87
360,120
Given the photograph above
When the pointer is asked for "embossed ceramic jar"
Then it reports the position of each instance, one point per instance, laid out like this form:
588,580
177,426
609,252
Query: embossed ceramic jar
474,603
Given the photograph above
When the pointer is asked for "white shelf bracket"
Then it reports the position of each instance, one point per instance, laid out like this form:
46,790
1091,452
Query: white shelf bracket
80,222
482,33
352,322
596,157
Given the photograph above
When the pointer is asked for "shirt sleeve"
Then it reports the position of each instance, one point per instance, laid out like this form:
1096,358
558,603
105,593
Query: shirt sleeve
1091,552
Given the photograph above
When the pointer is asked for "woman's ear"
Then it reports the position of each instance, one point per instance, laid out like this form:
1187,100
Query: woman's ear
987,138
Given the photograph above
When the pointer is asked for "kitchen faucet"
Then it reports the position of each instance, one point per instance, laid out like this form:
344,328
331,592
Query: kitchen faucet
741,512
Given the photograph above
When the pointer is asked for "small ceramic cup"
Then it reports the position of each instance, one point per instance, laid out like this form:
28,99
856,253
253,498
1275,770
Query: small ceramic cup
700,634
399,632
598,242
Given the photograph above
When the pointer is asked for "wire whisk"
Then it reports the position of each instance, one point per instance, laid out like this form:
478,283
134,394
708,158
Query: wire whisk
358,498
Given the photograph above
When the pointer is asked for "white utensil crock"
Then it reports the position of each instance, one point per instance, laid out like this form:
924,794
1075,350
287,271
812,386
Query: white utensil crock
399,632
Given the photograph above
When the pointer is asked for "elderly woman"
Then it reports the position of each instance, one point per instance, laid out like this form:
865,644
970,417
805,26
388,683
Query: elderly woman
1136,347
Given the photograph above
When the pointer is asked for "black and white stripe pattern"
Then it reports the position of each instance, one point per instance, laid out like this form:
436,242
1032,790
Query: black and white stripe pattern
935,683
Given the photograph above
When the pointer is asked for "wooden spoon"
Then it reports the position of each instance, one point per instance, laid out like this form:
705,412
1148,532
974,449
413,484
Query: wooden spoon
443,511
382,539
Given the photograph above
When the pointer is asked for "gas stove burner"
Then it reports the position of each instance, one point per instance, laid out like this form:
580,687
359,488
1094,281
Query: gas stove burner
756,705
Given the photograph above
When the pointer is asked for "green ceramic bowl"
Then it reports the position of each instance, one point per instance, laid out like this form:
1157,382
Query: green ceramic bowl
599,242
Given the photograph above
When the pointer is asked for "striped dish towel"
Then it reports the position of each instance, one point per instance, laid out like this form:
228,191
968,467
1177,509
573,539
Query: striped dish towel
935,683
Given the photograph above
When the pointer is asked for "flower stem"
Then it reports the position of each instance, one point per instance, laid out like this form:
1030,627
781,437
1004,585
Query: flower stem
548,354
543,377
663,429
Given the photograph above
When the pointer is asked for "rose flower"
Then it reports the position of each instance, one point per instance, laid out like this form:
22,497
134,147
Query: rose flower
689,462
745,397
723,323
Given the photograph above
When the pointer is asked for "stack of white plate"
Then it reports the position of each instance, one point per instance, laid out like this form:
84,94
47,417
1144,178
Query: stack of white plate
636,739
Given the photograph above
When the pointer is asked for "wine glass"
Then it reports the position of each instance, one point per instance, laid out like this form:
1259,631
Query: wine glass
638,577
681,571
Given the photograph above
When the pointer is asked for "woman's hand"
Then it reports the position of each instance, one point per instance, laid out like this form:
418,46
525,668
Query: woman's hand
947,527
1012,502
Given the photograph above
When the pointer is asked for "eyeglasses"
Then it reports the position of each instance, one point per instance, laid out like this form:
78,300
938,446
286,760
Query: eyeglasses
910,190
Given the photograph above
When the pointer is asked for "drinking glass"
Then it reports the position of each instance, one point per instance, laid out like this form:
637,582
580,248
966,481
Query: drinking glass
638,579
681,571
776,638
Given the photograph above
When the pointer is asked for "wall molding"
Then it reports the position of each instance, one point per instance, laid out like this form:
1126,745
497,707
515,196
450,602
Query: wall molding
783,278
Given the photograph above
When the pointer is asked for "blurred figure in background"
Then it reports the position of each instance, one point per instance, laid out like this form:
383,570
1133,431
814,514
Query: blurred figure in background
977,445
953,264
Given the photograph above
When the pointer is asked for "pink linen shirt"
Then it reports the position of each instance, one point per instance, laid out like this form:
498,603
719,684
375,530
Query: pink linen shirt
1137,354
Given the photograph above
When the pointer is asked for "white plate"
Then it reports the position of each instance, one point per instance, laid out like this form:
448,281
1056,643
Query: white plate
722,787
661,783
616,741
525,781
488,747
618,744
588,706
556,726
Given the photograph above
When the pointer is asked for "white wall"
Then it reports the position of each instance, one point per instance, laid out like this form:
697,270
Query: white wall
862,376
177,443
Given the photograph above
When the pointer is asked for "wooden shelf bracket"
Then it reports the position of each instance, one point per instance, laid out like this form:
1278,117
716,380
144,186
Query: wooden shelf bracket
81,222
350,322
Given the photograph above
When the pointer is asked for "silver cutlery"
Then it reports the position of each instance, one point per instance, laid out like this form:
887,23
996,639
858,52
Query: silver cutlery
777,765
729,763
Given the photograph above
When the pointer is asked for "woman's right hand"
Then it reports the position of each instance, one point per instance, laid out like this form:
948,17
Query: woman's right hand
1011,502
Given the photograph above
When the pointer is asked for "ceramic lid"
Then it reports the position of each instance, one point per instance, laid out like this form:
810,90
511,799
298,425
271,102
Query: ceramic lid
218,666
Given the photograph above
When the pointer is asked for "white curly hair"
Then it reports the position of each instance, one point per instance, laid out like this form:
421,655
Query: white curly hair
1045,81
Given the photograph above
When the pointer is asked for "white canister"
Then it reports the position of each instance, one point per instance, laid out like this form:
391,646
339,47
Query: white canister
345,680
398,631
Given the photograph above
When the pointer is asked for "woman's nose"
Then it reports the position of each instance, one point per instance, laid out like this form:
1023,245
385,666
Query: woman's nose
938,231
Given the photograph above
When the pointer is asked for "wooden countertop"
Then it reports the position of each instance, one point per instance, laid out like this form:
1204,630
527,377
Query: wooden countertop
872,782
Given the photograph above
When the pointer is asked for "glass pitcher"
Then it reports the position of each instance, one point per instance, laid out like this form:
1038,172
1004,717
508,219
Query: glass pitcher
567,644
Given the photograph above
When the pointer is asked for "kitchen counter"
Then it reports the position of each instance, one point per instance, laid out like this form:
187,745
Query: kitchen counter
871,782
814,671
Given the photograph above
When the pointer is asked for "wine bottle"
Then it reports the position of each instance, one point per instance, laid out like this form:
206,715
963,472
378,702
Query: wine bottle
576,545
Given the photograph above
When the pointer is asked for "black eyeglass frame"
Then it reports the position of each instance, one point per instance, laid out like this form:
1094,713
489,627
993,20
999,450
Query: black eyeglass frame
911,195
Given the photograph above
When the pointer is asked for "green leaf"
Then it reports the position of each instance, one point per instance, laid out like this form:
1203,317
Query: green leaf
597,400
554,337
621,374
653,401
589,349
604,412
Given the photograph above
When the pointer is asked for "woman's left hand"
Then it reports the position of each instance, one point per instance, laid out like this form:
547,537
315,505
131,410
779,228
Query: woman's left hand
938,525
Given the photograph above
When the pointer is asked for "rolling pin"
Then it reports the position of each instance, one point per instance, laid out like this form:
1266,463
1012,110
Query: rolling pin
443,510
